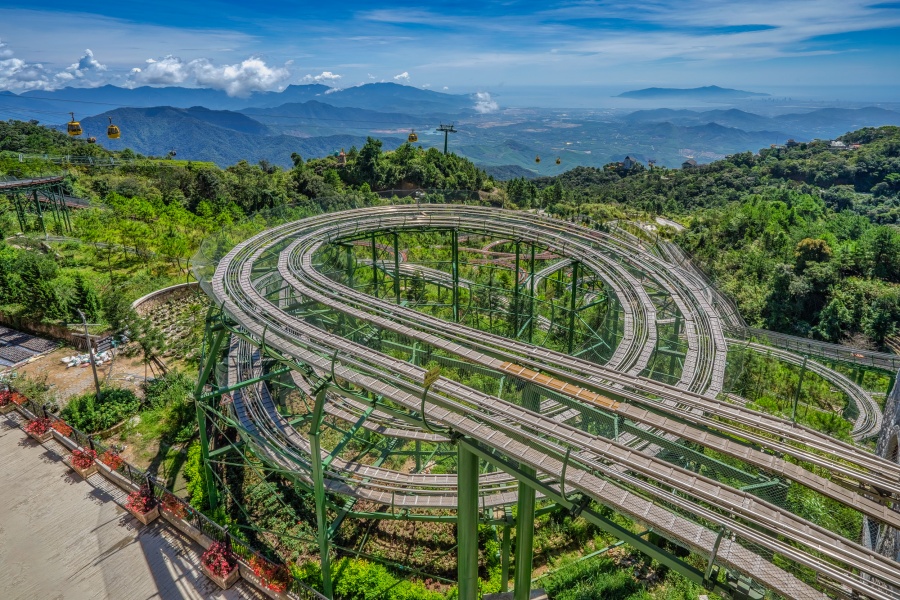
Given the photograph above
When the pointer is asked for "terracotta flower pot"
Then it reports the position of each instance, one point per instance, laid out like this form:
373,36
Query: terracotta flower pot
147,517
223,582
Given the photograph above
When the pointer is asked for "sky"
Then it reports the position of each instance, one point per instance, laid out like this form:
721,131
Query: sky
458,47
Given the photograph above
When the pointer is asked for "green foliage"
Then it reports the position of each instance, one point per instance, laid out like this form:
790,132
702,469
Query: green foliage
356,579
598,579
170,395
89,415
195,477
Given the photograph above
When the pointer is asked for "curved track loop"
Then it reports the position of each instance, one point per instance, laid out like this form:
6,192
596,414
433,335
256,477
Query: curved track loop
629,478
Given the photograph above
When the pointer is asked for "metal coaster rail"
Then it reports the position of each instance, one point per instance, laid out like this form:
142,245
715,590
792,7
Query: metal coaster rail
530,448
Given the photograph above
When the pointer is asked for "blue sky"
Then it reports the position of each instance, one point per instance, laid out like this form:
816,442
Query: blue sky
241,47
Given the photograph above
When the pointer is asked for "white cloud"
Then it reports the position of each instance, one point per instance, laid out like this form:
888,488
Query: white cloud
372,77
18,75
404,76
323,77
484,104
332,90
240,79
425,86
445,88
85,65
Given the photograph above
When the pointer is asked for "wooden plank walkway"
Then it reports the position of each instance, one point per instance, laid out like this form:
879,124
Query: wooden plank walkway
67,538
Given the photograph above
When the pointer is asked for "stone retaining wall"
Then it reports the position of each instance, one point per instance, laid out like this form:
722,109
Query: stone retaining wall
145,305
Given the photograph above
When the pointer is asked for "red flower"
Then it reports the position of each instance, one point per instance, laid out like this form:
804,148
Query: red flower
38,426
219,559
141,501
83,459
5,397
63,428
18,398
175,506
112,460
274,577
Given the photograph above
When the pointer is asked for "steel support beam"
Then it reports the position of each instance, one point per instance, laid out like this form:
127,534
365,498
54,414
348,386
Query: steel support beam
397,267
319,490
467,523
454,243
573,299
207,365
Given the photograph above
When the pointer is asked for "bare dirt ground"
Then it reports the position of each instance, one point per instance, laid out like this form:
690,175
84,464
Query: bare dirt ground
72,381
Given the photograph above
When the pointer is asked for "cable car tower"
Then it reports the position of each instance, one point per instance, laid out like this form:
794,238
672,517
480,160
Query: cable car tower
446,129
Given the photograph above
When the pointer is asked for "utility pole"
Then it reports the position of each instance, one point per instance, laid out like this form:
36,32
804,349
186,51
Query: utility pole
446,129
87,338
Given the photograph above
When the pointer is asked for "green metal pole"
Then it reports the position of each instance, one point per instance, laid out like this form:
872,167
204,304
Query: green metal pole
319,491
467,523
516,308
40,214
524,538
504,559
573,298
396,267
673,343
797,393
211,359
454,237
531,298
350,269
374,267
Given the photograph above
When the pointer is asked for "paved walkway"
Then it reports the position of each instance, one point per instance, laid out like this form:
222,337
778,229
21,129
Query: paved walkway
65,538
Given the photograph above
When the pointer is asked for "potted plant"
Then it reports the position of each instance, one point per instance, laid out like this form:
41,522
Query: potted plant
111,459
84,462
143,505
63,428
17,398
175,507
6,403
39,429
273,577
220,564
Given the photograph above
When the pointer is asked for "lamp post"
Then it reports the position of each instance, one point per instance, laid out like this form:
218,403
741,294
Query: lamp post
87,338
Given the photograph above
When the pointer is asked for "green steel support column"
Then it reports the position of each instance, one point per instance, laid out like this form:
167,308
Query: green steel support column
504,559
673,344
211,358
573,299
467,524
396,267
516,307
524,538
797,393
531,298
455,270
418,456
374,267
40,213
350,269
319,491
20,211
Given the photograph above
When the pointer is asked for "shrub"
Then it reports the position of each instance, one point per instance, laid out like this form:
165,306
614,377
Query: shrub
141,501
195,475
87,414
219,559
38,426
83,459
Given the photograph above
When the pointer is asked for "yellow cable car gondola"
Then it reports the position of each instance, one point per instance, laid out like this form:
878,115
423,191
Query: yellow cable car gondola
558,160
537,159
92,140
74,127
112,132
413,138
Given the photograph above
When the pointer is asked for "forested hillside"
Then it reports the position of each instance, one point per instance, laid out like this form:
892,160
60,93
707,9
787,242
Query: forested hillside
803,238
149,216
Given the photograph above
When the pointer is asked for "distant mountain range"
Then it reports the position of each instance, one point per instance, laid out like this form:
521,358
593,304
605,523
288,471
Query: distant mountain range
223,137
87,102
707,93
823,123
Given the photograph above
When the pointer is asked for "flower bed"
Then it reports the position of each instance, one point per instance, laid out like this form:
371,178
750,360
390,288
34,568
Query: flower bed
143,505
39,429
112,460
271,576
220,564
6,403
63,428
84,462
